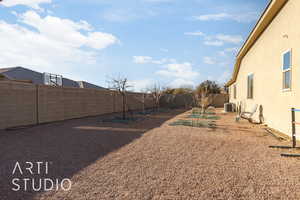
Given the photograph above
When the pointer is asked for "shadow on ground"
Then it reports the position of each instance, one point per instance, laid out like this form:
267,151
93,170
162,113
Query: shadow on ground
68,146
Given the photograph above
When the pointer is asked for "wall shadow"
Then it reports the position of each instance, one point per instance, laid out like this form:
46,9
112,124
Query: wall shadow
68,146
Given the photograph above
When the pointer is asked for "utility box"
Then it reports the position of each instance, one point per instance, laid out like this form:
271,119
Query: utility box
228,107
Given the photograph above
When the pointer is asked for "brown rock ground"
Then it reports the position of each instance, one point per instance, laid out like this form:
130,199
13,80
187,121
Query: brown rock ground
152,160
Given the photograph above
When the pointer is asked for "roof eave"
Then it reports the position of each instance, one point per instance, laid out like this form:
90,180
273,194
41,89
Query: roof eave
266,18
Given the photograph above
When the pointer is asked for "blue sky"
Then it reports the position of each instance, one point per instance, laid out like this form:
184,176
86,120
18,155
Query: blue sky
174,42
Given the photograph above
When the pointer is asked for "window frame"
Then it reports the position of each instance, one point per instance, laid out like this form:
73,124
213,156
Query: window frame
234,91
287,70
248,86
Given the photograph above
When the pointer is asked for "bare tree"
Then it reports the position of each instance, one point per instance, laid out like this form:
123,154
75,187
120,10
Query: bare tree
206,100
156,92
120,84
205,93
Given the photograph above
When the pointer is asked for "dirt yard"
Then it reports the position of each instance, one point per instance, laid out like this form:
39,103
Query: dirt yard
152,160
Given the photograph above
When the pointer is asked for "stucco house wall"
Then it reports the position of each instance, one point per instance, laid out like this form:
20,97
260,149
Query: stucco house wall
265,61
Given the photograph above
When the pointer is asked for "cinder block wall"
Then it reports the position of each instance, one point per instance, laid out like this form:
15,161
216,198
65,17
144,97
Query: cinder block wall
26,104
182,100
220,99
17,104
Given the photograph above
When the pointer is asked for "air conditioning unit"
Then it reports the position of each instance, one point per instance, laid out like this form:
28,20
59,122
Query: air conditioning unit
228,107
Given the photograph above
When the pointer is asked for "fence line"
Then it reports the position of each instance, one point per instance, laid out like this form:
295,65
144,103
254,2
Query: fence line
187,100
28,104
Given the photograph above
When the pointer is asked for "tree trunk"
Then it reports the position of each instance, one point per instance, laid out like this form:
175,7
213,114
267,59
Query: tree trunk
124,107
144,111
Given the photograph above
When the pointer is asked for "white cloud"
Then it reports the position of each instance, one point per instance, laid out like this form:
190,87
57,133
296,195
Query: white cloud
181,82
214,17
222,53
217,40
98,40
177,74
150,60
234,39
35,4
140,85
233,49
158,1
164,50
142,59
196,33
119,15
209,60
127,14
242,17
228,50
214,43
56,45
221,39
67,31
216,61
178,70
225,76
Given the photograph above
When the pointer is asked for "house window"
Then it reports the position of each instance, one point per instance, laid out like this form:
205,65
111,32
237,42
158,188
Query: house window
234,91
286,69
250,86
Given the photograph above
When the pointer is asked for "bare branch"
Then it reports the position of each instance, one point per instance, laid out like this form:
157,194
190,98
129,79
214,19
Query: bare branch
156,91
120,84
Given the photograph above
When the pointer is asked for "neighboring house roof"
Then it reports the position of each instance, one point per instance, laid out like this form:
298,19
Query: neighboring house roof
4,78
6,69
84,84
69,83
273,8
21,73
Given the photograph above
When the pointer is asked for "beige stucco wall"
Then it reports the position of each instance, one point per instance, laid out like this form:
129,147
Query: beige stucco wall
264,60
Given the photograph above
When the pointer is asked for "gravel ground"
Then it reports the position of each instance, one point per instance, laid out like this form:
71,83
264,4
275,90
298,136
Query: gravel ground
152,160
